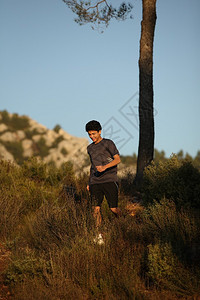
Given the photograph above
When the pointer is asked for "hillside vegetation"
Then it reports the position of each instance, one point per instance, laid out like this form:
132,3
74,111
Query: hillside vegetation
46,223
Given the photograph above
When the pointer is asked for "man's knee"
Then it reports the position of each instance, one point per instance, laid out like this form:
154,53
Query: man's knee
116,210
97,210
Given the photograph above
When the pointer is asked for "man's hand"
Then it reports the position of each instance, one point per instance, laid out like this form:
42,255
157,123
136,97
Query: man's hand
113,163
88,188
101,168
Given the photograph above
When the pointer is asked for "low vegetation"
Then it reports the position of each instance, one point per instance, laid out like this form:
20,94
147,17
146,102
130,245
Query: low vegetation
160,156
14,122
46,223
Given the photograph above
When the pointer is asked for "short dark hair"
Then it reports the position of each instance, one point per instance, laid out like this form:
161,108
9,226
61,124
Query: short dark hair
93,125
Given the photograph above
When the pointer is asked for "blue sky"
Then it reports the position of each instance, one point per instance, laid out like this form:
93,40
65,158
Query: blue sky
58,72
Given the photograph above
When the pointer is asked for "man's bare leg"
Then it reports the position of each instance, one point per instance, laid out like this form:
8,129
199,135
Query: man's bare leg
97,216
116,211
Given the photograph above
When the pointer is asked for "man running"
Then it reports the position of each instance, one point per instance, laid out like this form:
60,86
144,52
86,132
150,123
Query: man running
103,180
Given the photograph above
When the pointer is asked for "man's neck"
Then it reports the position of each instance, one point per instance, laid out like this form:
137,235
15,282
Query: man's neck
99,140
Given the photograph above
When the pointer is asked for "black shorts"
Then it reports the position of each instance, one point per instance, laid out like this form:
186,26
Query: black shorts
107,189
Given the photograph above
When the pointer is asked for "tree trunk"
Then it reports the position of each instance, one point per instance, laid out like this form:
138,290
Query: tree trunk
146,117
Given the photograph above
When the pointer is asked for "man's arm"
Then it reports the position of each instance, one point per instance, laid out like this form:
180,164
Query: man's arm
113,163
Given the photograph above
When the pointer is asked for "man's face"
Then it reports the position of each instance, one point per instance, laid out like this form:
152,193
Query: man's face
95,135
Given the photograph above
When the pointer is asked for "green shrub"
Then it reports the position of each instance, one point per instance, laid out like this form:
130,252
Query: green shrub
14,122
161,262
33,196
64,151
9,173
5,118
27,266
48,174
30,133
167,272
196,161
127,186
64,174
57,141
129,160
19,122
164,222
35,169
57,128
16,149
68,172
159,156
174,179
41,148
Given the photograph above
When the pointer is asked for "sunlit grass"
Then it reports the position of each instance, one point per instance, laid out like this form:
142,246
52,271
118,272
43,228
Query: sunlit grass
153,255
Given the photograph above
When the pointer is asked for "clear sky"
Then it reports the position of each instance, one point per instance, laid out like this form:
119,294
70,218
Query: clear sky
58,72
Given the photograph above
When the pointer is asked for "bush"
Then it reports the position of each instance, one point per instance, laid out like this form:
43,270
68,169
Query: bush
196,161
41,148
66,174
127,184
129,160
57,128
19,122
180,228
57,141
167,272
27,266
16,149
14,122
174,179
64,151
30,133
45,174
35,169
5,118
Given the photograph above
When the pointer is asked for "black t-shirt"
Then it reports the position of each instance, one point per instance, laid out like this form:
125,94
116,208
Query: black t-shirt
100,155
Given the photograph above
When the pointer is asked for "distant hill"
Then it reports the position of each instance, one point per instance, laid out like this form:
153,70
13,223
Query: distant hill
21,138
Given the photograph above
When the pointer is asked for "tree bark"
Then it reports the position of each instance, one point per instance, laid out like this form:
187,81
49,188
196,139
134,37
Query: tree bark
146,111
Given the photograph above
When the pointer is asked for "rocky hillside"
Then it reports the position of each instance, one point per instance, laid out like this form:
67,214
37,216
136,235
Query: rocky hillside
21,138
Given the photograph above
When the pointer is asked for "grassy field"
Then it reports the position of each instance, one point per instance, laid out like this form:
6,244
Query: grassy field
47,228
